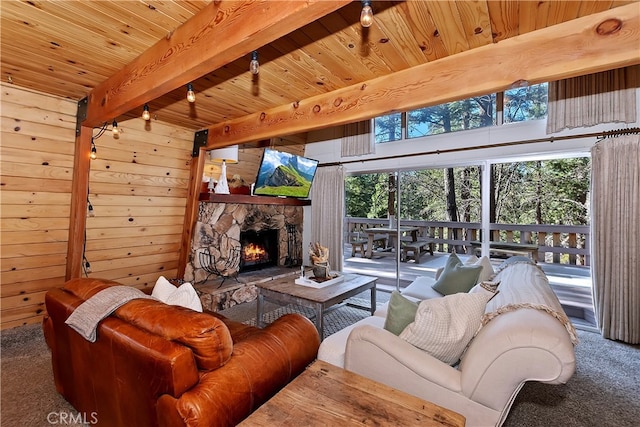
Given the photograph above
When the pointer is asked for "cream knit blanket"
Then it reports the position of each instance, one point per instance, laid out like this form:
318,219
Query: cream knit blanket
86,317
524,285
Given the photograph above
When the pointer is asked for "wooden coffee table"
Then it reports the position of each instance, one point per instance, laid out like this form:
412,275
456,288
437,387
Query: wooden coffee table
325,395
285,291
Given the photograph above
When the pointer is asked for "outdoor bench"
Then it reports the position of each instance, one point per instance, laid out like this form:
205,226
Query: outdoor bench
509,248
417,248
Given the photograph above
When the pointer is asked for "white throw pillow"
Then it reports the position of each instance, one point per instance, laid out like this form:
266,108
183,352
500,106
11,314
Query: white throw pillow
163,289
471,260
443,327
184,296
487,272
487,269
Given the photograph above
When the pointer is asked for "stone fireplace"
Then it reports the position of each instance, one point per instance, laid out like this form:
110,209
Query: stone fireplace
217,244
258,249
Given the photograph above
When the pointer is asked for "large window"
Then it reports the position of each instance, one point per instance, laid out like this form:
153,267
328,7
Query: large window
388,128
519,104
525,103
552,192
427,194
470,113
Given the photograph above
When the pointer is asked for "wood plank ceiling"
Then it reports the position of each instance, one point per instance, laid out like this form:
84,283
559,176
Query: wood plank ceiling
67,48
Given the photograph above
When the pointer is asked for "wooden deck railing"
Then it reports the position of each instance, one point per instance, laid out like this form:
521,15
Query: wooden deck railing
558,244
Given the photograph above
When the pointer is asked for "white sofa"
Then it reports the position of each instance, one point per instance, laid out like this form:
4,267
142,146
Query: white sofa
525,336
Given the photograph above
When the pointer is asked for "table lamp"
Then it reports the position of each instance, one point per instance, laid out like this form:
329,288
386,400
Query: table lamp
224,155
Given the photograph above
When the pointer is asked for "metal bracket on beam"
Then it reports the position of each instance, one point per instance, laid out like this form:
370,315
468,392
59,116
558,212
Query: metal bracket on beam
81,114
199,141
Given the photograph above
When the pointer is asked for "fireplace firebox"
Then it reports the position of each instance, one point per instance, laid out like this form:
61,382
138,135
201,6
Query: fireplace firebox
259,249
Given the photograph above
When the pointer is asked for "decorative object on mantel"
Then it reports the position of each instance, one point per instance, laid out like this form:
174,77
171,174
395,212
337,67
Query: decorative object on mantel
224,155
237,185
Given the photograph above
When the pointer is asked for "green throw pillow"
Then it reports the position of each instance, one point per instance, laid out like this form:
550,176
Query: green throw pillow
401,311
457,277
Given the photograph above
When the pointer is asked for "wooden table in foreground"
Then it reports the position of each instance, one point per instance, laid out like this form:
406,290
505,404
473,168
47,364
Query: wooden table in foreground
285,291
325,395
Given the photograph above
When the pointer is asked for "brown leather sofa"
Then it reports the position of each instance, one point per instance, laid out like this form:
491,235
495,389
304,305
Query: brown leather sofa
156,364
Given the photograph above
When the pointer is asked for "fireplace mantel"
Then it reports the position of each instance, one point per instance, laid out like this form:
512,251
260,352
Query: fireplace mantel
254,200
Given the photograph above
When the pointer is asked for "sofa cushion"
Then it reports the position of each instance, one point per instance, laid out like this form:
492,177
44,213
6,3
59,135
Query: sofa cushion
184,296
456,277
443,327
401,311
421,288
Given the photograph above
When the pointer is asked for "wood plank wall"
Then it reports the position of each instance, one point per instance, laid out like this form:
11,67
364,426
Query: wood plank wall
138,190
37,147
137,187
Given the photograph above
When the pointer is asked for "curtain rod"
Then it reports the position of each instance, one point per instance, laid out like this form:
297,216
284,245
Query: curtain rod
600,135
618,132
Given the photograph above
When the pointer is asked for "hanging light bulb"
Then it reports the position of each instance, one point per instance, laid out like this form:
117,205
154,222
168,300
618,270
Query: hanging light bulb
114,128
94,152
146,115
191,95
254,65
90,210
366,16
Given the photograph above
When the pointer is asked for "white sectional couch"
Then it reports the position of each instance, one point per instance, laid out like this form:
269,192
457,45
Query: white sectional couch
525,336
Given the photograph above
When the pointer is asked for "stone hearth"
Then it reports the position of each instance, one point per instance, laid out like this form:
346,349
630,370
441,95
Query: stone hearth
216,296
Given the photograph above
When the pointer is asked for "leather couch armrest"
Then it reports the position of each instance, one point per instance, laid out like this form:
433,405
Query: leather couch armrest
262,363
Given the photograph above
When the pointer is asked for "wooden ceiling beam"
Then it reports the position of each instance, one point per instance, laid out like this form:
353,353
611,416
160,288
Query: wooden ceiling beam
220,33
603,41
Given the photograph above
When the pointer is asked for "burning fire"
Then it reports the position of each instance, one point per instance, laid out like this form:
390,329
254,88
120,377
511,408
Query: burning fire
253,252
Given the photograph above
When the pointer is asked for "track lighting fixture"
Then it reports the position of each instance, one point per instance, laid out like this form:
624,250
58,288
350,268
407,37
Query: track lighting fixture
254,65
114,129
146,115
366,16
94,152
191,95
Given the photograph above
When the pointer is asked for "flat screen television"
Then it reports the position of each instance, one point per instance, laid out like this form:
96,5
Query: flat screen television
284,175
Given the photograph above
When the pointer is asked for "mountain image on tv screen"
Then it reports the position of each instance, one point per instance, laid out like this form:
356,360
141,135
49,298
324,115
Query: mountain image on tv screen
284,174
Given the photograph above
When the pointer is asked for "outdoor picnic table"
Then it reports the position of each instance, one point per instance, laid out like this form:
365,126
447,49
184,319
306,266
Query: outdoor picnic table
390,232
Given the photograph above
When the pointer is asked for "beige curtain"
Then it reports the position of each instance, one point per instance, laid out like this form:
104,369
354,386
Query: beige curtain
356,140
606,97
327,212
615,234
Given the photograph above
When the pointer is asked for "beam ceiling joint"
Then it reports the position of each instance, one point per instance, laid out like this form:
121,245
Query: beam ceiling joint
81,114
199,141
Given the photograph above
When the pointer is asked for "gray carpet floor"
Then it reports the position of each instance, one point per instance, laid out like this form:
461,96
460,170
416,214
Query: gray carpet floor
605,390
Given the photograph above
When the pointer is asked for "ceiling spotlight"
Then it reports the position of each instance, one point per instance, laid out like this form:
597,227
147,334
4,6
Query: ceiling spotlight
146,115
254,65
114,128
191,95
366,16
